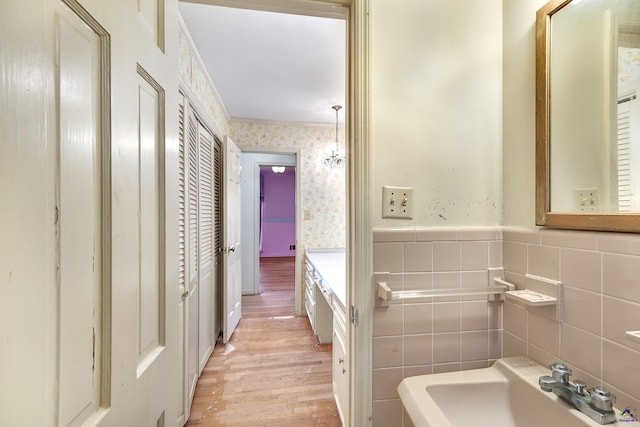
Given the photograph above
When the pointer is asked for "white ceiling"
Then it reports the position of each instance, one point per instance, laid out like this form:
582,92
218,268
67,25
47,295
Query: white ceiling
272,66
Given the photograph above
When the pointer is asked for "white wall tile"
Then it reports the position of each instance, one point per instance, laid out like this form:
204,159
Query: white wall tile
583,349
418,350
515,319
418,319
521,234
436,234
620,276
446,317
620,368
418,281
543,333
581,269
569,239
495,254
544,261
583,309
388,257
388,320
479,233
394,235
387,352
620,316
515,257
446,256
475,346
385,383
513,345
387,413
475,315
418,256
412,371
446,348
495,344
475,255
441,368
619,243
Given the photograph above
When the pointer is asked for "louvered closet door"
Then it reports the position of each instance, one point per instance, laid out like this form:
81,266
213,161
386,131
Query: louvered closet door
217,233
205,214
628,155
192,256
185,396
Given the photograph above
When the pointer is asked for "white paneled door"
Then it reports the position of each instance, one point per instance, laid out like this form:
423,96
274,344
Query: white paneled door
89,183
232,279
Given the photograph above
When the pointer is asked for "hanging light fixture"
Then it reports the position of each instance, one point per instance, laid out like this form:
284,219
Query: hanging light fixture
277,169
335,160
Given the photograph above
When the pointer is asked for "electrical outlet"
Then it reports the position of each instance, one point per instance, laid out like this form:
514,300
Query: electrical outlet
585,199
397,202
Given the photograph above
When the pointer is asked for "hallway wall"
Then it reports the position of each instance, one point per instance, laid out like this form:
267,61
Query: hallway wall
196,81
323,190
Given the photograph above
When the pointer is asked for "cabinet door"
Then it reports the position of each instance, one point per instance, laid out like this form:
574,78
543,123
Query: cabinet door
340,376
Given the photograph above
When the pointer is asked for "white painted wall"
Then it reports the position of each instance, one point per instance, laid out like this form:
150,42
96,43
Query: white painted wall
250,195
519,109
436,97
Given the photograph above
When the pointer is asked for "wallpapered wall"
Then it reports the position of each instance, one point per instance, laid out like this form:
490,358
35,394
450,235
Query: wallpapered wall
194,75
323,190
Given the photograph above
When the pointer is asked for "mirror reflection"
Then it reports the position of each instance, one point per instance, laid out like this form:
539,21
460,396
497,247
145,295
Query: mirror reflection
594,129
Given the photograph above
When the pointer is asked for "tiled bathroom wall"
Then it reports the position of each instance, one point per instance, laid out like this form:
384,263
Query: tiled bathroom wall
423,336
600,273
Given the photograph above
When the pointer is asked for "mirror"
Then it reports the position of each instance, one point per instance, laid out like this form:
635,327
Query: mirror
588,115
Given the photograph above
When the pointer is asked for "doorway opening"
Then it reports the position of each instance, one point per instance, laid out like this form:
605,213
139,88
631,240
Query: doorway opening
277,228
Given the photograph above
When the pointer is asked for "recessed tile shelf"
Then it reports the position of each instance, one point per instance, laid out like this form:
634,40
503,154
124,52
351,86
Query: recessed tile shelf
633,336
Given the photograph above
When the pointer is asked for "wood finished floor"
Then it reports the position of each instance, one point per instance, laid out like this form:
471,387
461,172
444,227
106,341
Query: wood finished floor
272,372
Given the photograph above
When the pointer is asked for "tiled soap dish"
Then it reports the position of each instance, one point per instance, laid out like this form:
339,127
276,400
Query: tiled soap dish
633,336
532,298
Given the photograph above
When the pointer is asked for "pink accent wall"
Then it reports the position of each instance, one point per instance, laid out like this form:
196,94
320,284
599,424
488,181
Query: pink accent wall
279,212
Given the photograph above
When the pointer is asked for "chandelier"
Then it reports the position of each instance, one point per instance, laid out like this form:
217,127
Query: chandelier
335,160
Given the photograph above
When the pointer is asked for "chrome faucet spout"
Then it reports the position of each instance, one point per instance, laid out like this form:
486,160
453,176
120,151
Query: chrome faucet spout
597,402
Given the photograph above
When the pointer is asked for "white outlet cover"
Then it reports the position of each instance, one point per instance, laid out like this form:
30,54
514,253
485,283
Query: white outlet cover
397,202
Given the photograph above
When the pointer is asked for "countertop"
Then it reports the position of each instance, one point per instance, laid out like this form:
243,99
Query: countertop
330,264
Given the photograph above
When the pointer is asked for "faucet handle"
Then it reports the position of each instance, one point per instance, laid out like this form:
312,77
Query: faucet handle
601,398
580,386
560,372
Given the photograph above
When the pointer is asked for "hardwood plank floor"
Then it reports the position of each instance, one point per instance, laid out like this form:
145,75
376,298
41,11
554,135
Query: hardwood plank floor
277,274
272,372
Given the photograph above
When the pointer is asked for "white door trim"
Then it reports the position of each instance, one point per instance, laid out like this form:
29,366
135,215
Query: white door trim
359,224
299,240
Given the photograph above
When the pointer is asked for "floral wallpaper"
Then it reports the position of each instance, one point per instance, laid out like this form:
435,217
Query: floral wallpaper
323,189
628,64
194,75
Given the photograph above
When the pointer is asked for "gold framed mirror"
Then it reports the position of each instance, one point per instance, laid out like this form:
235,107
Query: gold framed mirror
587,120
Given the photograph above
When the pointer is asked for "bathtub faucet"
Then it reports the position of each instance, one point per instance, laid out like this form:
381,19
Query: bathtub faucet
596,402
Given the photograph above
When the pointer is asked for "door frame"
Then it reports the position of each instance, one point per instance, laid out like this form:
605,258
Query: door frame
359,244
299,254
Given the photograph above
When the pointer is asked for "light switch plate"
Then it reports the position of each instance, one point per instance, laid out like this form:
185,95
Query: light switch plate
397,202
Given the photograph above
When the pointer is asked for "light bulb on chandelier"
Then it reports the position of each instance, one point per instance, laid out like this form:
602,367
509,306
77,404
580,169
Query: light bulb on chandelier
335,160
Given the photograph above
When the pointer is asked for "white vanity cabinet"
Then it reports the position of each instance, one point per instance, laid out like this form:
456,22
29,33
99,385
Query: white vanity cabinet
318,303
325,292
340,377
